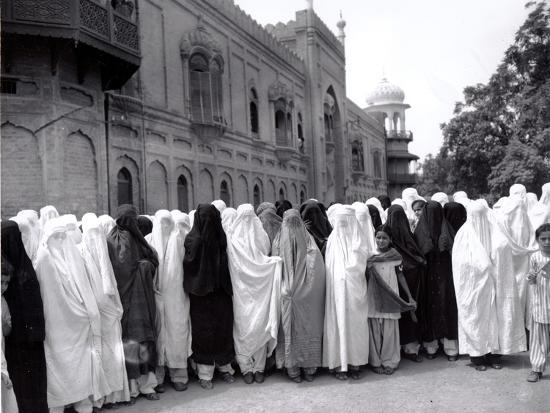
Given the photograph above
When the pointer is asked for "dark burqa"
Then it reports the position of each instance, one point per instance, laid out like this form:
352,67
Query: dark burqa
441,318
208,283
145,225
134,264
24,346
455,216
375,216
384,201
414,265
300,336
283,206
316,222
271,222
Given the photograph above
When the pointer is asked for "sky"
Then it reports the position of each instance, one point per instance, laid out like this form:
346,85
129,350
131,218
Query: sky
432,49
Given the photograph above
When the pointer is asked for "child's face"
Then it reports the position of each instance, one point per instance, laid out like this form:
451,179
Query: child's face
417,208
544,242
5,282
382,240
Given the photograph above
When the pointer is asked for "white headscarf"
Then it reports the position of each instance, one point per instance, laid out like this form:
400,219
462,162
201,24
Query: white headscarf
191,217
365,226
401,203
331,211
106,223
72,228
440,197
26,236
539,212
462,198
228,217
219,204
409,195
34,230
181,219
545,197
518,190
376,202
256,281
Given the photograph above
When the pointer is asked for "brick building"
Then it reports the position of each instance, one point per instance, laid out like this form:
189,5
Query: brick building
169,104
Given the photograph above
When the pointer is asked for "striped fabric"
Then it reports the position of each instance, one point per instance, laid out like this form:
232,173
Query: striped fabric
540,292
539,346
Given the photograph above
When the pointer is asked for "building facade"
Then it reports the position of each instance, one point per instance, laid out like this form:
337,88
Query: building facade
170,104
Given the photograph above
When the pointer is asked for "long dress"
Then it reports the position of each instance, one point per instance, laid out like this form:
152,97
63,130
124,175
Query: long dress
302,312
94,250
316,222
24,347
208,283
256,282
73,324
475,284
346,331
174,325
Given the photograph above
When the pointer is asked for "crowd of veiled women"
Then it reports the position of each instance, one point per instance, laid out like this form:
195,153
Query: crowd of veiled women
99,311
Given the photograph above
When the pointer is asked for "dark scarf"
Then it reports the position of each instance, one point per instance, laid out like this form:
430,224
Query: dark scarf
455,216
145,225
385,299
402,238
375,216
428,229
316,222
384,201
283,206
23,293
205,263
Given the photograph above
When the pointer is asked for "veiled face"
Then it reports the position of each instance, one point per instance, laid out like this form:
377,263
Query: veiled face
56,240
166,226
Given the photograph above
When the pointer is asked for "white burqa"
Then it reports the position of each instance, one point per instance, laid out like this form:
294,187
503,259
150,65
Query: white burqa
219,204
73,325
228,217
440,197
26,235
376,202
34,232
366,229
331,212
95,252
346,333
106,223
475,285
539,211
173,321
462,198
256,281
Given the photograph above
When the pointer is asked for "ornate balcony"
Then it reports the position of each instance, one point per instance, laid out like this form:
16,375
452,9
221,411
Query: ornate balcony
401,134
114,32
208,128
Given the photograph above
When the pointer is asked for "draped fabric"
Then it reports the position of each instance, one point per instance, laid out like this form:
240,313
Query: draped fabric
256,281
375,216
26,236
271,222
106,224
346,329
409,195
73,324
462,198
219,204
208,283
366,229
331,213
414,265
173,322
385,201
283,206
134,264
265,205
455,216
440,197
378,205
205,261
191,217
545,196
316,223
31,239
438,295
46,213
101,276
384,300
145,225
474,280
228,217
24,347
302,312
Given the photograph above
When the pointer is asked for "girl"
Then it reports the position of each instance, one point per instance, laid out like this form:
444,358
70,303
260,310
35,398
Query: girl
539,280
384,304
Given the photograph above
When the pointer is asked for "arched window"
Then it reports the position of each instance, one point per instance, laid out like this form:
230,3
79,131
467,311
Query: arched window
183,203
289,128
280,128
357,157
300,134
225,196
124,184
281,194
377,165
302,197
256,195
205,80
328,128
254,121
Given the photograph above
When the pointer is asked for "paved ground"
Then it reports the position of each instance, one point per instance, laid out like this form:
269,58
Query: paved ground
432,386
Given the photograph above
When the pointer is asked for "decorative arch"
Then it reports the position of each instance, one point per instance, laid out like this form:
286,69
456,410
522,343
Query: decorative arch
226,190
206,187
242,191
303,194
271,191
283,191
294,190
127,162
80,174
20,143
125,194
184,188
157,187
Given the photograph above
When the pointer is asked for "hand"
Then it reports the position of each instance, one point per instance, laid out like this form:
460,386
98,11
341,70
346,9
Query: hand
532,278
413,317
6,381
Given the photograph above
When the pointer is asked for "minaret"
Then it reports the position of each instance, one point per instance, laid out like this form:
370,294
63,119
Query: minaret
341,25
309,4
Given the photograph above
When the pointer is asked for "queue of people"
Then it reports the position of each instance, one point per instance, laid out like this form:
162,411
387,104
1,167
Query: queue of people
100,311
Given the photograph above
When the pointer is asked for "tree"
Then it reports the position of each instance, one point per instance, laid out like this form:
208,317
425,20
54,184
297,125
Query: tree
500,134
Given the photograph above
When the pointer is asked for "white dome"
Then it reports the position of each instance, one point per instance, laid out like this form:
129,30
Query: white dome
386,92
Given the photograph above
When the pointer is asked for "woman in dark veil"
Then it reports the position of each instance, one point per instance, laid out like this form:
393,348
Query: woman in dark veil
134,264
283,206
24,346
315,219
208,283
271,222
441,314
375,216
414,263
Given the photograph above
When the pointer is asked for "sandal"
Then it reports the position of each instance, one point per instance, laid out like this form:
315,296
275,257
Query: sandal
389,371
355,375
206,384
341,376
378,370
152,396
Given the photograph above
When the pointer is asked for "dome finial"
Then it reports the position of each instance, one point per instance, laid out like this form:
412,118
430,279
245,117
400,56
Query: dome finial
386,92
341,24
309,4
